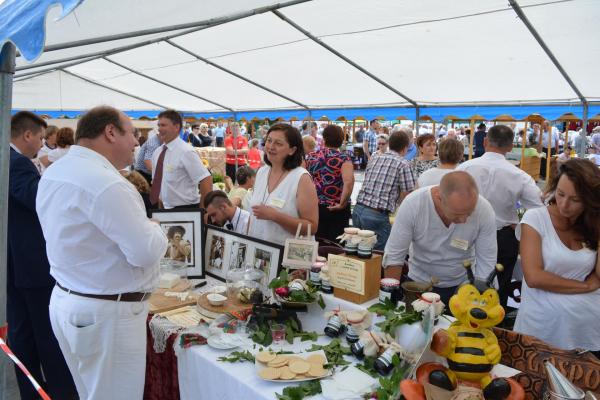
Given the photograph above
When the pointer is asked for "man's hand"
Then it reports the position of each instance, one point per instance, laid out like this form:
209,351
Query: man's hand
393,271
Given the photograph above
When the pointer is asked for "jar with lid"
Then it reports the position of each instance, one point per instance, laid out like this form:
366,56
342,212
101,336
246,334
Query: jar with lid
325,280
389,288
350,240
246,284
355,328
383,364
368,239
315,273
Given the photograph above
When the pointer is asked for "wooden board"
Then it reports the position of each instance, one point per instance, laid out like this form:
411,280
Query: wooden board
230,305
159,302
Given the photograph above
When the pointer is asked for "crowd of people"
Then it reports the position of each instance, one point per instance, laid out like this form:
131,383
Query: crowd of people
81,244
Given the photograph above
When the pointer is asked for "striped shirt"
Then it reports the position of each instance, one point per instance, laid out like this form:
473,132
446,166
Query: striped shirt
387,175
371,138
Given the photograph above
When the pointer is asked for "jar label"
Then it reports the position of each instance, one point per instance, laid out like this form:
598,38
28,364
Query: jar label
384,295
386,357
315,277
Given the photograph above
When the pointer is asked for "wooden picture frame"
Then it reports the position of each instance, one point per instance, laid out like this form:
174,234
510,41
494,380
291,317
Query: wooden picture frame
187,251
300,253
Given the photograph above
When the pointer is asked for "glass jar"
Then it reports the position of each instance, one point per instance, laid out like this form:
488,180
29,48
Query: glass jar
245,285
350,245
366,244
315,273
389,288
334,326
383,365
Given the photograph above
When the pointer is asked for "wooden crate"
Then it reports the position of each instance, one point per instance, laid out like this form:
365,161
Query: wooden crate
531,165
372,280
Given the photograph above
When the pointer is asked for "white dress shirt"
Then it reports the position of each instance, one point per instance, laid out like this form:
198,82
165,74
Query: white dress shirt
439,251
503,185
182,172
239,222
98,238
554,138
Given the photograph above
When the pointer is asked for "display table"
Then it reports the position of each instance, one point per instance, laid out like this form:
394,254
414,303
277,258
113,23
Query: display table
201,376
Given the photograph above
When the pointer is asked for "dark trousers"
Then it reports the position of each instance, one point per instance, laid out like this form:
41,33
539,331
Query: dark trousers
543,164
219,141
31,338
508,251
332,223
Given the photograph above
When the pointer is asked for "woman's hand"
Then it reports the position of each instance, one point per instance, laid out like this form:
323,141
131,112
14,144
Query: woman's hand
264,212
593,282
338,207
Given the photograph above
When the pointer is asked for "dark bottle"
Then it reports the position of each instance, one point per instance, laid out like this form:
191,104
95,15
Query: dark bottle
383,365
358,349
334,326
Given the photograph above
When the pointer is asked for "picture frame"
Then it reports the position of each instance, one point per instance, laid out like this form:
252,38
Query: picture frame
300,253
224,249
184,228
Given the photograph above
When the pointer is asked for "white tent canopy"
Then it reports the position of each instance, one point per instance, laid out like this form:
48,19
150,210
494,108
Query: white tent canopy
261,55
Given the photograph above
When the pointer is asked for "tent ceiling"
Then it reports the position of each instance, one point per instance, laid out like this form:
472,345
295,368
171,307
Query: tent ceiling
433,51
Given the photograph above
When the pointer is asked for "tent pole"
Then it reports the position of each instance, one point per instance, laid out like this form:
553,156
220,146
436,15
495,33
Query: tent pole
417,117
523,144
343,57
471,139
583,133
7,70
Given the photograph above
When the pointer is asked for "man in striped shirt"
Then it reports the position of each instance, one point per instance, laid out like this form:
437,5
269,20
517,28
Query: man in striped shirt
388,179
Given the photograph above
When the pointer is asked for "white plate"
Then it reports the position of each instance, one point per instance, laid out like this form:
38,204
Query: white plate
222,342
260,366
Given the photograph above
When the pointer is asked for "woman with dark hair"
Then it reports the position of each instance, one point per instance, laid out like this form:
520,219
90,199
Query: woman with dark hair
426,158
333,175
559,255
179,248
284,195
65,138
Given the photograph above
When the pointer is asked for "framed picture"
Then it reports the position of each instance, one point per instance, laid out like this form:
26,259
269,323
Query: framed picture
183,228
300,253
225,250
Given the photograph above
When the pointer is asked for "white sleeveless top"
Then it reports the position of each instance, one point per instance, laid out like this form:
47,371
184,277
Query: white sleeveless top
566,321
283,198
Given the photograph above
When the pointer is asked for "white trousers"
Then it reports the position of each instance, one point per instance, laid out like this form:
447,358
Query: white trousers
104,344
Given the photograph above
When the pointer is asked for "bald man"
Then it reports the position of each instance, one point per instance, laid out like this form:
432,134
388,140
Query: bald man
439,227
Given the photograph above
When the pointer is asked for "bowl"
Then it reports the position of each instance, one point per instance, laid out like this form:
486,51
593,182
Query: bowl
216,299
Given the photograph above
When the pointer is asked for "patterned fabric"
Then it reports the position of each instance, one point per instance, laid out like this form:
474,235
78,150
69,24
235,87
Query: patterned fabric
421,166
387,175
371,136
162,382
325,167
527,353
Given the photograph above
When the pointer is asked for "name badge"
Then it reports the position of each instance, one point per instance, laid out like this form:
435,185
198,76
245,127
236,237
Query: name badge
279,203
460,244
169,168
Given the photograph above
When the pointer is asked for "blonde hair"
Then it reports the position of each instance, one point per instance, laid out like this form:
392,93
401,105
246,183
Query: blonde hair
309,142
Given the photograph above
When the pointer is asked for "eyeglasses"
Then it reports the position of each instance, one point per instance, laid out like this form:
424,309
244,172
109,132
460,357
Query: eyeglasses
381,144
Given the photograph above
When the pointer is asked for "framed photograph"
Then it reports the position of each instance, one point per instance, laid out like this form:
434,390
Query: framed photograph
226,249
299,253
183,228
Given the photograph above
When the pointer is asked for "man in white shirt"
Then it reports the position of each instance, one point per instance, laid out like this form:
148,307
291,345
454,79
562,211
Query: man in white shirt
177,171
503,185
596,139
104,253
440,227
550,138
221,212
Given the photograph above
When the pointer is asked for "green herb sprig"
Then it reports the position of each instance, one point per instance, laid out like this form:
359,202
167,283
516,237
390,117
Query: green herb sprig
238,356
310,295
334,351
262,335
299,392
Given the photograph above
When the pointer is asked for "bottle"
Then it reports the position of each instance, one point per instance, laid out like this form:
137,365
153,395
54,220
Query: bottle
358,349
334,326
383,365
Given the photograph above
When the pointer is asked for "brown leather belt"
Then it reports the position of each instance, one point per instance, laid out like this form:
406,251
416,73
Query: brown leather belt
131,297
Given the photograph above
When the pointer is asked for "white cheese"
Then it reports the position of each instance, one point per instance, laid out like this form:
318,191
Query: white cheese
168,280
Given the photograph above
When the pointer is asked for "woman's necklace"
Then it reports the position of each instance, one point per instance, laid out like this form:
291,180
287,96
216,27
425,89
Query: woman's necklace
266,194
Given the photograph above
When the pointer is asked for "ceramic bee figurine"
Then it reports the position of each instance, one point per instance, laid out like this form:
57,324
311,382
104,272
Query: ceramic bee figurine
469,344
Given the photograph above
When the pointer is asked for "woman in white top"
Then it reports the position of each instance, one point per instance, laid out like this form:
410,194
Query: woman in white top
284,194
559,253
451,154
65,137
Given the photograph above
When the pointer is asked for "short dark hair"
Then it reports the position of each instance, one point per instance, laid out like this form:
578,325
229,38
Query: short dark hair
65,137
92,124
24,121
451,151
218,196
172,115
423,139
243,174
294,139
333,136
194,126
174,229
306,124
373,121
398,141
481,126
500,136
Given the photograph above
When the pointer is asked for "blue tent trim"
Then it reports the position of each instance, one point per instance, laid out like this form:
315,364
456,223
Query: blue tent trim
24,23
388,113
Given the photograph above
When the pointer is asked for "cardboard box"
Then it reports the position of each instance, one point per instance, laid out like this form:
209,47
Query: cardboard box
372,278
